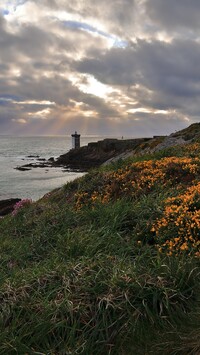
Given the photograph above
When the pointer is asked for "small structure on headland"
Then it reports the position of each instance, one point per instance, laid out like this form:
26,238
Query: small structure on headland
75,140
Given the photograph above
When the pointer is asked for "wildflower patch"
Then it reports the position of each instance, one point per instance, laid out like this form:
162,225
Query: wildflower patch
140,178
19,205
178,230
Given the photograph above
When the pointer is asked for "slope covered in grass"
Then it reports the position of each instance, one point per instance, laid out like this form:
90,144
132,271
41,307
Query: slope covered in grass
108,264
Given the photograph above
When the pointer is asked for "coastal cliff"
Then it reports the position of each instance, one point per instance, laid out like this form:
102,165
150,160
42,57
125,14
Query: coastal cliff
95,154
109,150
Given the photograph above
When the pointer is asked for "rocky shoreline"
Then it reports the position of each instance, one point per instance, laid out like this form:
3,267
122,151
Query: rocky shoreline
87,157
102,152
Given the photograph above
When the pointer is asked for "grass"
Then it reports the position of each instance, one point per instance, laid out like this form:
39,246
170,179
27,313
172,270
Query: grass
83,272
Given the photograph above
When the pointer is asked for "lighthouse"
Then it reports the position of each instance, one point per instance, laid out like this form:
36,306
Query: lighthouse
75,140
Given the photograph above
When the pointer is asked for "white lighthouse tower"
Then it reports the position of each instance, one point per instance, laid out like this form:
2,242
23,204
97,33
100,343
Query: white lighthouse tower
75,140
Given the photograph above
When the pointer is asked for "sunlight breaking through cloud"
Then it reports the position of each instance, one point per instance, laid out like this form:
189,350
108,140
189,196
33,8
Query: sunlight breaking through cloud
103,66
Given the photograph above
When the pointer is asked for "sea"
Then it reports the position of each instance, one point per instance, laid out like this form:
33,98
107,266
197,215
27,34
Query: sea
33,184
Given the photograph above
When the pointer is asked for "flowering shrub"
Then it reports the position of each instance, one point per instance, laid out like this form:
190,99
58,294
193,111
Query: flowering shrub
21,204
179,228
140,177
191,149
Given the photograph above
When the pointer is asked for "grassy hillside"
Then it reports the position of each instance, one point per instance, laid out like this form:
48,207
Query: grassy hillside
189,133
108,264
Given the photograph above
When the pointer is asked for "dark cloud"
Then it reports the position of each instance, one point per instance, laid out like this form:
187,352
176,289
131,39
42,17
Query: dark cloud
171,67
33,42
154,62
2,22
171,15
115,67
162,75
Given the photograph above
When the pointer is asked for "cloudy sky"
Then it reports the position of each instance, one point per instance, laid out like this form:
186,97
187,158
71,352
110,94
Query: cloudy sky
117,67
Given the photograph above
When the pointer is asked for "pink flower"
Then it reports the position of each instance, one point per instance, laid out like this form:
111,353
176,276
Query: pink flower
20,204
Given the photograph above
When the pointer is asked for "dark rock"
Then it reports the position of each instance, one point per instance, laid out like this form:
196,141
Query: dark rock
33,156
7,206
22,168
34,165
51,159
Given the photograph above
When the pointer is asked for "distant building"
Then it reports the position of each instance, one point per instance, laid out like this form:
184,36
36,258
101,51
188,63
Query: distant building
75,140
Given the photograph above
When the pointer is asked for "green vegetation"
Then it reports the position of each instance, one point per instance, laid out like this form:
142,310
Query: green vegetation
107,264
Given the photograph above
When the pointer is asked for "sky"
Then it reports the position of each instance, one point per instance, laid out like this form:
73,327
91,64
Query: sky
113,68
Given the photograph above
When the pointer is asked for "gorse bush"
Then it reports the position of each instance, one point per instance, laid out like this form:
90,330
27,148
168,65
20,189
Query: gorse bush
179,228
138,179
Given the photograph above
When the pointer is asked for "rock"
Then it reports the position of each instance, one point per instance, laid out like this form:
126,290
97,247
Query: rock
41,164
22,168
7,206
33,156
170,142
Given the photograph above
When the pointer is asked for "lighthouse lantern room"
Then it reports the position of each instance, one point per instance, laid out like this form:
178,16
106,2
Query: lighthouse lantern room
75,140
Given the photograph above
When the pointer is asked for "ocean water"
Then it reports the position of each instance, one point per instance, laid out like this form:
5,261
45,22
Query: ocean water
15,151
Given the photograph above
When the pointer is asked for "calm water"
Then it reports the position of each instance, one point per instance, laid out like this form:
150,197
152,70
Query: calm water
14,151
